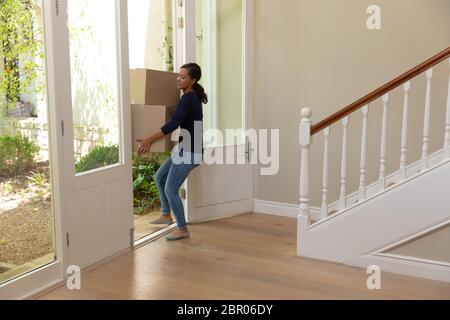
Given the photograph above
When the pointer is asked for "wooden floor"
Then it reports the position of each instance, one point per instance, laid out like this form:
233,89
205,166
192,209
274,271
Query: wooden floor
246,257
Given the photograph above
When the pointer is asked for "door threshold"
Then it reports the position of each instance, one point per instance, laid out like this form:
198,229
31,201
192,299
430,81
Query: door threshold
154,236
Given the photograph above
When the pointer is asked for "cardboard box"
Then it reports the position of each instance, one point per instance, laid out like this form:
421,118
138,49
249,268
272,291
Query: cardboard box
146,121
151,87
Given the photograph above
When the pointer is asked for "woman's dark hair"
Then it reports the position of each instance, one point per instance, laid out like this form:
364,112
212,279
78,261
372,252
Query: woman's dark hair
195,72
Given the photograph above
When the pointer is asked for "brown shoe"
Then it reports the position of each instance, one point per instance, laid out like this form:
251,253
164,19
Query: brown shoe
178,235
163,220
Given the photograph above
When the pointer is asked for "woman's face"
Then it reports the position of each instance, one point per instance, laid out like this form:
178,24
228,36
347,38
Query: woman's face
184,81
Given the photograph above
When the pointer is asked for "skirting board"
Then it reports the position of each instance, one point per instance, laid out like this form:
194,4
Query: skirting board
282,209
407,266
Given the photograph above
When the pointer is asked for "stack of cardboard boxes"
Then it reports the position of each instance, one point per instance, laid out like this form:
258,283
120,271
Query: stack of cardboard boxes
154,97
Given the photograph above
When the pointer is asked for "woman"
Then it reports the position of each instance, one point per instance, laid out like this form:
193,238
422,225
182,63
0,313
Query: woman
172,174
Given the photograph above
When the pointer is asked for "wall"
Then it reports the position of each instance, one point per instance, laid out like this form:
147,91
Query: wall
320,54
432,246
85,137
150,22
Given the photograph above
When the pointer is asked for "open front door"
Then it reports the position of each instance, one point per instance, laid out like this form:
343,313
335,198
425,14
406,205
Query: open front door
223,30
97,130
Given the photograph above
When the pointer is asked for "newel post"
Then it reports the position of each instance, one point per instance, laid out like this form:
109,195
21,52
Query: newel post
304,217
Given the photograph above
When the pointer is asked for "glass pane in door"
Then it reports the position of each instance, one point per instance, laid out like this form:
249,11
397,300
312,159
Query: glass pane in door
151,34
94,65
151,45
219,50
26,214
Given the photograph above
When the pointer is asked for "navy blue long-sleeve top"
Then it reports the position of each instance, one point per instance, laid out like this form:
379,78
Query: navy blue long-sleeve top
188,112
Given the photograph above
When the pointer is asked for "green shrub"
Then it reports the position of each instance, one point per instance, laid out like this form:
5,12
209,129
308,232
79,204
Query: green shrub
98,157
146,195
39,185
17,155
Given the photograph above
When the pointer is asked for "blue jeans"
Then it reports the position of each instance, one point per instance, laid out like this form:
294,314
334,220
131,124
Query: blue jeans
169,179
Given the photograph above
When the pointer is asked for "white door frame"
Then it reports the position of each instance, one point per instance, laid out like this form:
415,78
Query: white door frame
184,29
101,179
60,119
49,275
248,47
194,215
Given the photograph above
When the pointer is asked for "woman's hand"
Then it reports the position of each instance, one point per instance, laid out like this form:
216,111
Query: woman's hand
144,146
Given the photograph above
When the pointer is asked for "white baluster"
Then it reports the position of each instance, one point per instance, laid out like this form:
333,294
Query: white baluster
324,211
304,218
447,125
383,152
406,89
362,179
426,123
343,193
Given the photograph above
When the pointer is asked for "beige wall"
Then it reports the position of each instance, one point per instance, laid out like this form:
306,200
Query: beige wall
434,246
320,54
159,27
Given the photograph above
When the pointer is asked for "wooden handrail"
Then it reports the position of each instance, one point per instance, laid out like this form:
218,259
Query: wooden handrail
388,87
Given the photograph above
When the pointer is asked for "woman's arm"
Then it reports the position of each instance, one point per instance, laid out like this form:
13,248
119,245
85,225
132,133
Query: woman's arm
179,115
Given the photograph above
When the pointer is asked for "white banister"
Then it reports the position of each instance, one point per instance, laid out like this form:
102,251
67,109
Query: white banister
324,211
447,125
343,193
304,217
383,151
406,89
426,122
362,179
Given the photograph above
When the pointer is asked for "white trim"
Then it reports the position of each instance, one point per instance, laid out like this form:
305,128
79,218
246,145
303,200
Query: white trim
408,238
189,31
248,63
249,69
408,266
32,283
281,209
398,186
178,35
414,259
413,170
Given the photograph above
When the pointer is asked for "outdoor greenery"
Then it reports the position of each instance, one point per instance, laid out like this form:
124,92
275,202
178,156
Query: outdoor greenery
166,52
98,157
39,184
19,40
22,72
146,195
17,155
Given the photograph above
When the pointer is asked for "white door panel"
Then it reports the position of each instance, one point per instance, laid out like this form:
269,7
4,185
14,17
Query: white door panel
100,222
223,190
218,184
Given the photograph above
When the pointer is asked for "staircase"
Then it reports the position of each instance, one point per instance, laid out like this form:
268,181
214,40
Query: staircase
361,228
